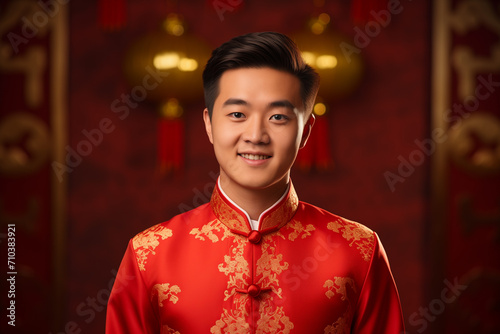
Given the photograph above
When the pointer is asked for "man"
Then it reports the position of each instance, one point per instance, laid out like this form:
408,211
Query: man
256,259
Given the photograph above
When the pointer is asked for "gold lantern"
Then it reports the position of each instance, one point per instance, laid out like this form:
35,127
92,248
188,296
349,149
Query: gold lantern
321,48
176,55
340,76
178,59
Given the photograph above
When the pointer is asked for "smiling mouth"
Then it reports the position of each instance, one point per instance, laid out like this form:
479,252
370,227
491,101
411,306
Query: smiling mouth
254,156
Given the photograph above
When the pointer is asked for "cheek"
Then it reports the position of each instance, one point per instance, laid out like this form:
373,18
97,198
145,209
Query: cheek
288,155
288,137
224,137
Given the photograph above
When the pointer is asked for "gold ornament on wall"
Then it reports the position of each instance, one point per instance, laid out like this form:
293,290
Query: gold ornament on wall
24,144
474,144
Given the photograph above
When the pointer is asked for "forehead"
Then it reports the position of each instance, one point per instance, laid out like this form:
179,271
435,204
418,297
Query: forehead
259,85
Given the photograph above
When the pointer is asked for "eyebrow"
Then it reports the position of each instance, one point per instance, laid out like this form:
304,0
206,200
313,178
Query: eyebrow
233,101
282,103
274,104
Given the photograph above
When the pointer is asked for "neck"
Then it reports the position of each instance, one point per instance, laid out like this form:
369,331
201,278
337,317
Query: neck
253,201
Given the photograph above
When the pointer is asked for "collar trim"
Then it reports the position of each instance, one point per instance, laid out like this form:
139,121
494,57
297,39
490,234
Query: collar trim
237,220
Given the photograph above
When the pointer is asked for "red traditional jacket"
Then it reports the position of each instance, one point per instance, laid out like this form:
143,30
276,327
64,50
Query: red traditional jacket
303,271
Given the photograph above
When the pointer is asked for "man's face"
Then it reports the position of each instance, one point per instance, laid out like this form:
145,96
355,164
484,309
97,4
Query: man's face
257,126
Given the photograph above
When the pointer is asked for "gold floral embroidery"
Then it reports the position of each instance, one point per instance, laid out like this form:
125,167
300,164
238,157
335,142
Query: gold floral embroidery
358,235
145,243
166,292
209,230
268,266
296,229
234,320
167,330
341,326
235,267
340,286
272,319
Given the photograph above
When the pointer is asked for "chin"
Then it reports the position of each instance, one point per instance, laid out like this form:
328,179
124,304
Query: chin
253,184
258,183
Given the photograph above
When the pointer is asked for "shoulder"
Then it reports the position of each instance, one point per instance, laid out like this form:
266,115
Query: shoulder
146,244
152,236
351,232
332,220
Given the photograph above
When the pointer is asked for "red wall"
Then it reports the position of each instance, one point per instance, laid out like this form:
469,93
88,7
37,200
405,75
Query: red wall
116,191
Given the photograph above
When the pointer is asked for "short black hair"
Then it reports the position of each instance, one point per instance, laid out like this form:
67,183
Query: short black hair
259,50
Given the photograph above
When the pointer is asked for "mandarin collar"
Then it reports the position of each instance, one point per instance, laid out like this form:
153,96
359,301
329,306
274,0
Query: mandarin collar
237,220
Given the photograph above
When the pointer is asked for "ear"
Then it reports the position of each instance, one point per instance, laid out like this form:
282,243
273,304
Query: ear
307,130
208,125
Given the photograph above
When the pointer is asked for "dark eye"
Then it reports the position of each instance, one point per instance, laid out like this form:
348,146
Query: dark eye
279,117
237,114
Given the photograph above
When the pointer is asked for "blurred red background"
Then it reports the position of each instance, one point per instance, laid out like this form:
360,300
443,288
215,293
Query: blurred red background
117,190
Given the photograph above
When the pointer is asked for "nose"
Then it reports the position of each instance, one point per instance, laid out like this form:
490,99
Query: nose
255,132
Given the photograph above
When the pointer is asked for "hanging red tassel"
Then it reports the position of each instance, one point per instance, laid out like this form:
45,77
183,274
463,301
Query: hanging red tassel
322,157
361,9
305,157
223,7
170,144
316,153
112,14
357,11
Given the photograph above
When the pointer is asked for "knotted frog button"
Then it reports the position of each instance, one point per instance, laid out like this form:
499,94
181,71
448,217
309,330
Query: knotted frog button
253,290
254,237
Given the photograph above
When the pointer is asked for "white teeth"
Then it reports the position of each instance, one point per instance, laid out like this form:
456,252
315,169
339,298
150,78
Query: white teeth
254,156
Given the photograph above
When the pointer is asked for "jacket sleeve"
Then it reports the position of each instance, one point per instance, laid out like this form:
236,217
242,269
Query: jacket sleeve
378,309
129,305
